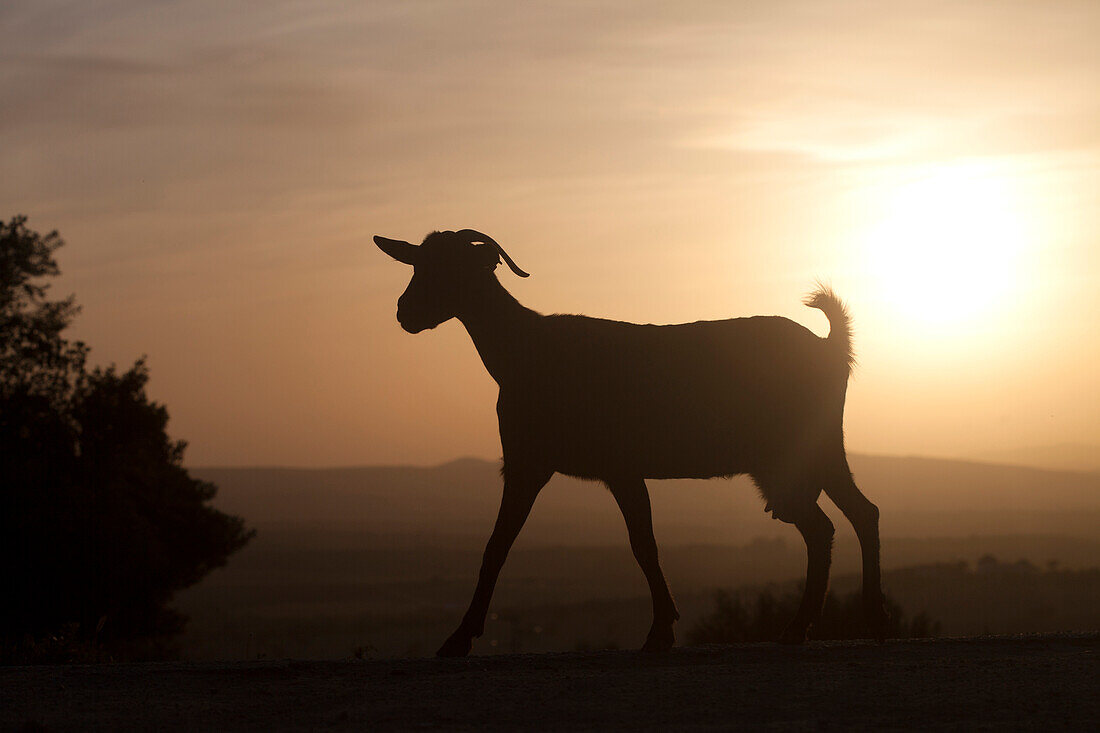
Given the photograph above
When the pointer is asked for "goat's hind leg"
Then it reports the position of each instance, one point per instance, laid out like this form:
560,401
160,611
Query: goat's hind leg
520,491
817,531
796,506
863,515
633,500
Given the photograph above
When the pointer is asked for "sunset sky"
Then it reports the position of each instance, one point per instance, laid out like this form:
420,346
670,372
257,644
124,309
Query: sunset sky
218,169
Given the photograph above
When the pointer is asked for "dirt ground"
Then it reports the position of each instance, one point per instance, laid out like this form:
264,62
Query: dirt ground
1046,681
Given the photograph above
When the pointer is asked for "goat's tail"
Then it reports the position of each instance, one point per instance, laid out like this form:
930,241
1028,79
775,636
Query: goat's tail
840,323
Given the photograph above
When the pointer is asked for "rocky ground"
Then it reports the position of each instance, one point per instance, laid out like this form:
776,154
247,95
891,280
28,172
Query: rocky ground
1045,681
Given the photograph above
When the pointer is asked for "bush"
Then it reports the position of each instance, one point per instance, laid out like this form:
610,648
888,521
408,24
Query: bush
743,616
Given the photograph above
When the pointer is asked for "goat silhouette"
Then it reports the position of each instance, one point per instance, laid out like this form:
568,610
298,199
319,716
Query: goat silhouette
623,402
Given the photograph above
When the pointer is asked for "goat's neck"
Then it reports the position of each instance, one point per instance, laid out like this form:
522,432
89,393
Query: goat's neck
499,327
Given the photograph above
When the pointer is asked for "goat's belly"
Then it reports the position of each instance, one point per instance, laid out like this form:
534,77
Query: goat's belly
638,462
653,451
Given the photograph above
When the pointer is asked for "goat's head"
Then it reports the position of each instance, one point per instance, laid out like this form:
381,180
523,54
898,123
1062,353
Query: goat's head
447,268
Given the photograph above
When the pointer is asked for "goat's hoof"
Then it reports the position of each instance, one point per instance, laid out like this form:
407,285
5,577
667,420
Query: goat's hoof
458,645
659,640
794,635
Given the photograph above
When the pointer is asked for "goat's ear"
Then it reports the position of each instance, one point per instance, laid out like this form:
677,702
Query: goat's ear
395,248
487,255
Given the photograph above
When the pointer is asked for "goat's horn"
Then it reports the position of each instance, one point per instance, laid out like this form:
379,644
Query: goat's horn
472,235
395,248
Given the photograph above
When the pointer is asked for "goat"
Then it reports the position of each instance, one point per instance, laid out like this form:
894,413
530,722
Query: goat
623,402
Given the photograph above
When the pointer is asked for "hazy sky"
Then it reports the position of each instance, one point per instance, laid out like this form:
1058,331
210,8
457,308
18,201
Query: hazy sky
219,168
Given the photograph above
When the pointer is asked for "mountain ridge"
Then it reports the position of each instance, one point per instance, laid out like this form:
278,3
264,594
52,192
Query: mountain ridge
918,496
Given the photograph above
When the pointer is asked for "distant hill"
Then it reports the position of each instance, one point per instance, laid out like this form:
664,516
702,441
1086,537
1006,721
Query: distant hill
385,558
1062,457
919,497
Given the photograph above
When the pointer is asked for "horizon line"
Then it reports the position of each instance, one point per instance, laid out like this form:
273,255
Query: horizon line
498,461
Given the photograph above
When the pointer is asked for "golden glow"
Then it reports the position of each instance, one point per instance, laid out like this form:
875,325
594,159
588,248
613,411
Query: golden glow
949,245
218,174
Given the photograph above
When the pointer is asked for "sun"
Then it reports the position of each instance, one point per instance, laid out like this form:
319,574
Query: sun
947,247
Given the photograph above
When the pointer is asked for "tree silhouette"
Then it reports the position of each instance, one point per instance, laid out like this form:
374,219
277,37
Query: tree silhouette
100,524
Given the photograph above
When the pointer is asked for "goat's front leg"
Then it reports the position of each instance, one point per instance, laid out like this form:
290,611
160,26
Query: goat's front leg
633,500
515,505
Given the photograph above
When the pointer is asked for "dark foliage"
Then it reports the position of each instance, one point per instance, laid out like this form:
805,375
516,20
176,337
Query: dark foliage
99,522
743,616
1003,597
